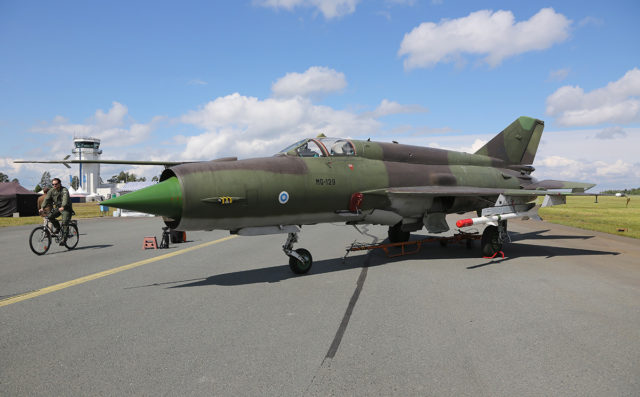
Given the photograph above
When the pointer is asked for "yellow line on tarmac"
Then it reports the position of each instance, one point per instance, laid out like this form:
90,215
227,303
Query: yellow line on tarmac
57,287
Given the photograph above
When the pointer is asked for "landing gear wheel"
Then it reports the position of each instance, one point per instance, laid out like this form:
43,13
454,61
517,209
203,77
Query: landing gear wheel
396,235
301,266
490,243
72,237
40,240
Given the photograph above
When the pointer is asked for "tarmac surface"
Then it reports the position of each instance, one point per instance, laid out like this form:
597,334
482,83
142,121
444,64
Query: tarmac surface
560,315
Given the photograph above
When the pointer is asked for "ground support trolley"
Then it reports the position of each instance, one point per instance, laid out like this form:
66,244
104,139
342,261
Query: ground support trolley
393,250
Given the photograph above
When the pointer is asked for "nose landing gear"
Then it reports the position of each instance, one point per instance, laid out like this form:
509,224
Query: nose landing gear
300,260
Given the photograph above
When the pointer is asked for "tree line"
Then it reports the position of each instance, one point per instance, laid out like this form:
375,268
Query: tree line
5,178
631,192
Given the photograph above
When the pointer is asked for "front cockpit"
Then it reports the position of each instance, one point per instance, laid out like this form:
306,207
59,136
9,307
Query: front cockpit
320,147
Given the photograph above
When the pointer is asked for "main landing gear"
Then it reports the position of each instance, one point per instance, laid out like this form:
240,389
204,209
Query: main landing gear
492,239
300,260
397,235
490,244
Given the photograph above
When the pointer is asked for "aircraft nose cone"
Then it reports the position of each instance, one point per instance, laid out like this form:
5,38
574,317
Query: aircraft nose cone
164,198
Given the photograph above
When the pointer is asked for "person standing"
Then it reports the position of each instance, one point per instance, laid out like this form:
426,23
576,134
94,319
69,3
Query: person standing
58,197
41,199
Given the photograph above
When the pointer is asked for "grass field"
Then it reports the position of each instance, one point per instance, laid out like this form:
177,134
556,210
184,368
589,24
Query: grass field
82,210
608,215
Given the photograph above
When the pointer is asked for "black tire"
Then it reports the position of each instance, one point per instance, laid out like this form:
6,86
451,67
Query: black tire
73,237
396,235
176,236
301,267
40,240
490,243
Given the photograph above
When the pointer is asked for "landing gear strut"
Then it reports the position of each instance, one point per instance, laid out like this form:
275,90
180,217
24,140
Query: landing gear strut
396,235
492,238
300,260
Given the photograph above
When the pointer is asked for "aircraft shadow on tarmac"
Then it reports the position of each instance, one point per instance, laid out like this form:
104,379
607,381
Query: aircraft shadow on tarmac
273,274
433,251
538,235
521,250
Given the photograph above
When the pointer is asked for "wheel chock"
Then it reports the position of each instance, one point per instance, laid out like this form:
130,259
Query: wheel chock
494,255
150,243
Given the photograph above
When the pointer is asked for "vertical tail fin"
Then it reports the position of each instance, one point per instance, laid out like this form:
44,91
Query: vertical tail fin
516,144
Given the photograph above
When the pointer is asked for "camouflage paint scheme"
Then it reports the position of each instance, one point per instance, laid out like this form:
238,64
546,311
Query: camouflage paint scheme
403,185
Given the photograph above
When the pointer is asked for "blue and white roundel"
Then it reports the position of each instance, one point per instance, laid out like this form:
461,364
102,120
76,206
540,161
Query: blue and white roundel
283,197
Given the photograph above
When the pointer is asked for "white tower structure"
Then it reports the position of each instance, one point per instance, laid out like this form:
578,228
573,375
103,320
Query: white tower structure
89,175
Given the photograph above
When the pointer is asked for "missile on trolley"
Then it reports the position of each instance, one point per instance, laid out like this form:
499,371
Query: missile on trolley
495,220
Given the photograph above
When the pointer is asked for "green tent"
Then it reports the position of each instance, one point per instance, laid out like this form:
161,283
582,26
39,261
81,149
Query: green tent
14,198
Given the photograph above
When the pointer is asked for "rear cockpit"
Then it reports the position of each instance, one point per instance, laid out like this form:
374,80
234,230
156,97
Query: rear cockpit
320,147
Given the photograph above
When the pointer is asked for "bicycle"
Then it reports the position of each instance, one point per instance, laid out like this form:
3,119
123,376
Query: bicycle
41,236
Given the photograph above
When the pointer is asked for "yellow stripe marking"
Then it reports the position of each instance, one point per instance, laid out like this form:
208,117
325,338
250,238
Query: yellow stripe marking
57,287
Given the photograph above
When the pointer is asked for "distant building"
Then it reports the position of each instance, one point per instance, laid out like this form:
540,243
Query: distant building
89,186
89,174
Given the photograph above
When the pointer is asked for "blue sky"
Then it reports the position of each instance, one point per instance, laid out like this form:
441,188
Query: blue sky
200,80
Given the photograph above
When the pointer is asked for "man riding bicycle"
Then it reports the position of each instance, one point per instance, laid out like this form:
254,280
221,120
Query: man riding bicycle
58,197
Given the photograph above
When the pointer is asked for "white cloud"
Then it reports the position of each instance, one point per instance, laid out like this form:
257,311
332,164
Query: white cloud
249,127
477,144
113,118
602,172
618,169
611,133
197,82
559,75
329,8
10,168
582,155
314,81
387,108
557,161
494,34
114,128
410,3
563,168
617,102
587,21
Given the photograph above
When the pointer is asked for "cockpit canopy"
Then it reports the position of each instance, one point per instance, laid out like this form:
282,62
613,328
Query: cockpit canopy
320,147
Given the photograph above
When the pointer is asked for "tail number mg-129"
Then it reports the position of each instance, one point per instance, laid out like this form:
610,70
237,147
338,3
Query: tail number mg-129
325,181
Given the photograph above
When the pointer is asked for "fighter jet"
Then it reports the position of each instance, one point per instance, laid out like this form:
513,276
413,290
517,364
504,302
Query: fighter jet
322,179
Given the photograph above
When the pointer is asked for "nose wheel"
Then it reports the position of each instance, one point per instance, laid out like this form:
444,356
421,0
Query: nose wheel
300,260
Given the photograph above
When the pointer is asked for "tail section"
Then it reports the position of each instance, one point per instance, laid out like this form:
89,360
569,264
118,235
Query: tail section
516,144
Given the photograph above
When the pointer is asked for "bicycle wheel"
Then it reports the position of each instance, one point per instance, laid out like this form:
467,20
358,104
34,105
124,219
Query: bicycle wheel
72,237
40,240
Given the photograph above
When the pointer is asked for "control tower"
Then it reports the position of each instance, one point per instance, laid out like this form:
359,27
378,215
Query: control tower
89,175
